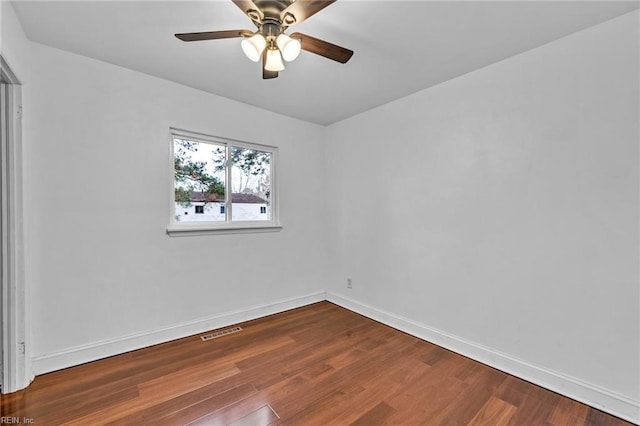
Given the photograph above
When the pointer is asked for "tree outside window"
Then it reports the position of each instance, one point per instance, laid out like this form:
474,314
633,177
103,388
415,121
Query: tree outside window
239,189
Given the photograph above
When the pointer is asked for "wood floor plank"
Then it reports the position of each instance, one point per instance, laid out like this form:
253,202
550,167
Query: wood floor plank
424,398
472,399
537,406
339,408
205,407
126,372
316,365
599,418
567,412
156,392
375,416
81,408
495,412
233,412
186,380
260,417
168,407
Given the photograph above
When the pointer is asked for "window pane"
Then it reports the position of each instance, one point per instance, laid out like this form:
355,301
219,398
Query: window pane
251,184
199,181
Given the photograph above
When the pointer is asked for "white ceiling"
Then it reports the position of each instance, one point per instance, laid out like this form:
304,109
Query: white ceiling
400,46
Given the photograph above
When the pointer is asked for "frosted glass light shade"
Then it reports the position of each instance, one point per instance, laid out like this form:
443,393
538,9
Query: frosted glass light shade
253,46
274,60
290,47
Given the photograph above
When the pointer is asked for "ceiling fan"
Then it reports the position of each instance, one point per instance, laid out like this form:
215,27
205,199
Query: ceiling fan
273,18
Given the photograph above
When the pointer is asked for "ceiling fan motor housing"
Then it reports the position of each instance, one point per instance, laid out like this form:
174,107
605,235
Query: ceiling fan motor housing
272,25
272,9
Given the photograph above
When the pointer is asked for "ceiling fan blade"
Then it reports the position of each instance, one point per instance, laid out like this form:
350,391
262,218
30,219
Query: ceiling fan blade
213,35
250,9
266,74
300,10
323,48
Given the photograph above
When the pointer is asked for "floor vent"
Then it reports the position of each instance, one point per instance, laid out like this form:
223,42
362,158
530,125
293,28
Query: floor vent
220,333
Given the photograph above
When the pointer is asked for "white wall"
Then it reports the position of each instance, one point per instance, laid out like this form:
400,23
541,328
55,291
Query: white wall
501,209
14,45
103,274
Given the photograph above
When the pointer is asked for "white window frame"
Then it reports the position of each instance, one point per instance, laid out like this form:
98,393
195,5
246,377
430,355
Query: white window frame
176,228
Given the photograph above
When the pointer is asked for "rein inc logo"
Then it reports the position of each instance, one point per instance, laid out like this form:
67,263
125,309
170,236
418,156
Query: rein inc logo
17,421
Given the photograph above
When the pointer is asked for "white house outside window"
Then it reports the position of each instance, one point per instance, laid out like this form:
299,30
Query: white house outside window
221,185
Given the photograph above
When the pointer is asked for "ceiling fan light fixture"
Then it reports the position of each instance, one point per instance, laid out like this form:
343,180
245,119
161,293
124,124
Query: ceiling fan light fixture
254,46
268,43
290,47
274,60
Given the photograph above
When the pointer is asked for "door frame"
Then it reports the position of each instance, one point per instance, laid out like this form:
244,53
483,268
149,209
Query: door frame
15,368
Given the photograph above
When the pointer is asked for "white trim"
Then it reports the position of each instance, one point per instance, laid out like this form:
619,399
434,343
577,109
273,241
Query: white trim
228,187
202,228
102,349
587,393
187,134
15,347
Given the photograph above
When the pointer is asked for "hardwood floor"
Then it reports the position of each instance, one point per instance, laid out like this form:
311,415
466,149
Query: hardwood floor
317,365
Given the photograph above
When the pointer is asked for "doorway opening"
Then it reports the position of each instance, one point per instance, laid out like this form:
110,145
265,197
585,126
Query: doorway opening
12,300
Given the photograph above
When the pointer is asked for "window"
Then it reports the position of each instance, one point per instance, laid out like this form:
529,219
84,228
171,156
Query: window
229,184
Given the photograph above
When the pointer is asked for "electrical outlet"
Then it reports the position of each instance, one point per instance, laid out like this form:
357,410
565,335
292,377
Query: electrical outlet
349,284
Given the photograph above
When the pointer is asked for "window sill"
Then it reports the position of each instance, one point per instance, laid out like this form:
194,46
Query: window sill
182,230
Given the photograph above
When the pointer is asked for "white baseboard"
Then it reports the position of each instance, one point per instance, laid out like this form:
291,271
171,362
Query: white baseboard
106,348
595,396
